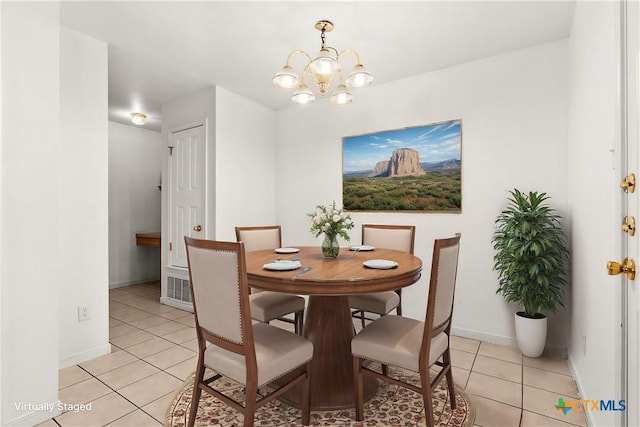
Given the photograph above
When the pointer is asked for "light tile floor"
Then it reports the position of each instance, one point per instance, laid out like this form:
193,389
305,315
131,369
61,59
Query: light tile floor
154,351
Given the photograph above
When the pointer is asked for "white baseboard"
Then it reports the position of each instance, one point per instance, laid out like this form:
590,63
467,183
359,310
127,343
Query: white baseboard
132,282
579,385
550,349
484,336
33,418
78,358
177,304
576,376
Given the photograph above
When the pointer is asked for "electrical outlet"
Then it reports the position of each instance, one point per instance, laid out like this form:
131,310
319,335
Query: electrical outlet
83,313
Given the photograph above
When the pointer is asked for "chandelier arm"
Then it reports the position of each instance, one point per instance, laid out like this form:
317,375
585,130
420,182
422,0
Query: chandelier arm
296,52
335,50
306,70
304,73
344,52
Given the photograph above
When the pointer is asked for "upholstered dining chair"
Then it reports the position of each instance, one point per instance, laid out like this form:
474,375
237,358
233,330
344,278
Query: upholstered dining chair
398,237
266,305
228,341
412,344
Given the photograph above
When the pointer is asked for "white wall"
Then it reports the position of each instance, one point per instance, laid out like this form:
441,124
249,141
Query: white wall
135,171
1,221
83,199
593,67
245,164
514,115
29,268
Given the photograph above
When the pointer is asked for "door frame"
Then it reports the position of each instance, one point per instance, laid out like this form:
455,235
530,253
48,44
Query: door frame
629,121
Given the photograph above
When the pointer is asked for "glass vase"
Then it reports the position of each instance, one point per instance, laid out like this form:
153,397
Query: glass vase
330,247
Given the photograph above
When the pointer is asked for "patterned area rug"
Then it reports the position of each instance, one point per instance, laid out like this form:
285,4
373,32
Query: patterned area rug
391,406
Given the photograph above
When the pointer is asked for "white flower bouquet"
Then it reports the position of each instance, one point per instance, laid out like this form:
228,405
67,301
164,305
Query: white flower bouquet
331,221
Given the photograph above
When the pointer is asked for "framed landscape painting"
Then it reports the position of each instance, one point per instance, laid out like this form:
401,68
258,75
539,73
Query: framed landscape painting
415,169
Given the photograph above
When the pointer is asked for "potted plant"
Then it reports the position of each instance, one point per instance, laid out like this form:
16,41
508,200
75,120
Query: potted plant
531,255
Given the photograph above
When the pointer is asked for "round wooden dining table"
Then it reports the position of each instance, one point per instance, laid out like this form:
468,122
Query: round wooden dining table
328,323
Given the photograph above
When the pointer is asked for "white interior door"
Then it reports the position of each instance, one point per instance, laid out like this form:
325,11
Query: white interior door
630,138
186,217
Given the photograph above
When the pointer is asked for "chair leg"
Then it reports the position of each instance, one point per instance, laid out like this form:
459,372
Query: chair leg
428,406
446,361
362,318
250,405
399,307
358,388
427,398
306,399
195,397
298,322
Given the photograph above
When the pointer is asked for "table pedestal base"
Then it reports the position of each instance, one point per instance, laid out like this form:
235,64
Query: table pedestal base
329,326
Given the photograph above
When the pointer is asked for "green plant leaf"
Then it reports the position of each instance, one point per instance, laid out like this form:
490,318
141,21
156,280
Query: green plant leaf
530,253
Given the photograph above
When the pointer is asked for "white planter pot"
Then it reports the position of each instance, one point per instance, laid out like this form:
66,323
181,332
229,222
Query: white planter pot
531,334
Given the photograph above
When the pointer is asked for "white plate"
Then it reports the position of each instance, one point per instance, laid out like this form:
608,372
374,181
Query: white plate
282,265
361,248
287,250
380,264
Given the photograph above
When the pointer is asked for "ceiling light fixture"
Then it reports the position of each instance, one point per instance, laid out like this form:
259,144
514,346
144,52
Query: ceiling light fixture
323,68
138,118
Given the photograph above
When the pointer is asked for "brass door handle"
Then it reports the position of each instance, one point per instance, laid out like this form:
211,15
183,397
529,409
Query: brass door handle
629,225
629,183
627,267
197,228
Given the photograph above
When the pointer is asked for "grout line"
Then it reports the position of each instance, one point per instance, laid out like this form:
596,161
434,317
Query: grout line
521,390
110,388
492,399
137,359
149,292
125,398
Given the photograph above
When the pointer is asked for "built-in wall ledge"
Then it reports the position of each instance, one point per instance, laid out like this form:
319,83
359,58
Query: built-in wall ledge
148,239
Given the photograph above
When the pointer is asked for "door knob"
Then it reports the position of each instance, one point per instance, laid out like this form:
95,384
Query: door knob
629,183
629,225
197,228
627,267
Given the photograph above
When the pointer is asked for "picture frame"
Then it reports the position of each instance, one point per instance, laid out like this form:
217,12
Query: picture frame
415,169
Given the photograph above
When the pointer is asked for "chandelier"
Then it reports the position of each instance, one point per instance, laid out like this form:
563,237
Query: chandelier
323,69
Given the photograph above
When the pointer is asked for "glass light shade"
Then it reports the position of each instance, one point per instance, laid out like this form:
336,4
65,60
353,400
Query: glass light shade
286,78
324,63
359,77
303,95
138,118
341,96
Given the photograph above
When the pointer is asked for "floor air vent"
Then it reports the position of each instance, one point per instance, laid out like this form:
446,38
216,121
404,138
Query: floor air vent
178,289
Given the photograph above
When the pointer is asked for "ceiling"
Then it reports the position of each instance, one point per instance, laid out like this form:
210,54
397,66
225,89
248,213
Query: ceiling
161,50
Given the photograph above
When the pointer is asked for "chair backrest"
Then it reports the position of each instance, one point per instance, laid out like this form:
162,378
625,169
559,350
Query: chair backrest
260,237
444,268
397,237
220,294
